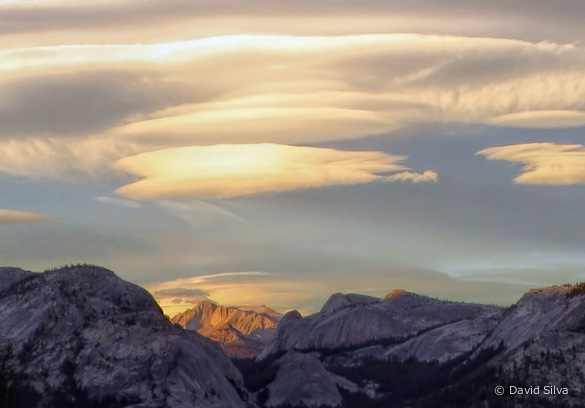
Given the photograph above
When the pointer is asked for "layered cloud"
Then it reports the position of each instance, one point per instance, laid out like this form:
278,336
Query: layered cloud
19,217
223,171
544,163
134,98
64,21
227,288
86,159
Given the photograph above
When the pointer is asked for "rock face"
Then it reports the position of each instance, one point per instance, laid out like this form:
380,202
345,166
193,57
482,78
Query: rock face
350,320
410,350
82,337
241,332
302,379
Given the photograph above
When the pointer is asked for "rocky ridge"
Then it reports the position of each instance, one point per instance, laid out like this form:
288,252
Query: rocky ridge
411,350
79,336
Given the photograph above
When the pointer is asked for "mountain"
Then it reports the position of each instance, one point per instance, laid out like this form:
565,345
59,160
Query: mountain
408,350
241,332
351,320
80,336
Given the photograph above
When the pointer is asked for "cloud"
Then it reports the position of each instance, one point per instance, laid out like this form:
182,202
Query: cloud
541,119
197,212
87,159
544,163
180,296
288,89
426,177
223,171
58,22
134,98
74,103
231,288
118,201
20,217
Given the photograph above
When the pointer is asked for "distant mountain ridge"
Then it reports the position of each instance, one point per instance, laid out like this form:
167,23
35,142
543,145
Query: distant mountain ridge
241,332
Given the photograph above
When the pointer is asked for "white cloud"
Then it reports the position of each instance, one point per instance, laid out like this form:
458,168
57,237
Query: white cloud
87,159
425,177
544,163
223,171
20,217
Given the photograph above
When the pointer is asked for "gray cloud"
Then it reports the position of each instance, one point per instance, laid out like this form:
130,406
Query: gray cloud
140,20
78,104
55,244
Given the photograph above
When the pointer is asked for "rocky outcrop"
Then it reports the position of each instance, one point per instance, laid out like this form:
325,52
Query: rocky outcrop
303,380
241,332
351,320
82,337
411,350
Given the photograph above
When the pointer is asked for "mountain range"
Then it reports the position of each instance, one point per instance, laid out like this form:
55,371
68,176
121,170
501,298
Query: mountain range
79,336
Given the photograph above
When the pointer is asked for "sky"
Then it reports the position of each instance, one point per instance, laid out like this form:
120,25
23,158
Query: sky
261,152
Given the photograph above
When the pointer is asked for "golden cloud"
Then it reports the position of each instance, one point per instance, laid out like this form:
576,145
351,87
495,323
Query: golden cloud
271,89
222,171
230,288
20,217
544,163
